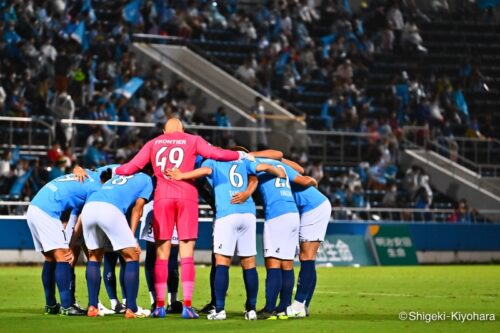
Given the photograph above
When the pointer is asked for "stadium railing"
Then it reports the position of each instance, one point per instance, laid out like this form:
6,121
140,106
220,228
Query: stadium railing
351,214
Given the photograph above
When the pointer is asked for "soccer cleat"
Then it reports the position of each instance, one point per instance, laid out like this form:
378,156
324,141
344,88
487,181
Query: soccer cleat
189,313
119,308
92,311
159,312
266,315
72,310
175,307
208,308
214,315
140,313
104,310
296,310
250,315
282,316
52,309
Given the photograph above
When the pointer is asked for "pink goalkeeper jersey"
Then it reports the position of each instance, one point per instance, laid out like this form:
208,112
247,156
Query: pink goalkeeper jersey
174,150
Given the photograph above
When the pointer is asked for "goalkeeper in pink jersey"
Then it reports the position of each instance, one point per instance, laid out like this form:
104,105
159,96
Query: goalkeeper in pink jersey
176,203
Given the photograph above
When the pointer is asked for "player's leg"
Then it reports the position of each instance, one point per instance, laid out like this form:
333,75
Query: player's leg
174,305
49,284
286,292
306,280
109,276
122,281
131,282
211,304
273,287
93,276
281,236
313,226
119,234
187,212
251,280
221,285
163,226
149,270
246,249
48,236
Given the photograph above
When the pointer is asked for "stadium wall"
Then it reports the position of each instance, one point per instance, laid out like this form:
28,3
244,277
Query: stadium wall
434,243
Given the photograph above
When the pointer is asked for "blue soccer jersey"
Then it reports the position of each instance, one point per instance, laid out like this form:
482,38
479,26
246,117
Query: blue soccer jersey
306,198
123,191
227,179
275,192
65,192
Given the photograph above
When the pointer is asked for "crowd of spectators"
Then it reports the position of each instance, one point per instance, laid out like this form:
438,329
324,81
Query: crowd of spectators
58,60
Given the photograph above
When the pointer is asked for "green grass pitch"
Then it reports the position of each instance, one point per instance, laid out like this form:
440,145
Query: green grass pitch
366,299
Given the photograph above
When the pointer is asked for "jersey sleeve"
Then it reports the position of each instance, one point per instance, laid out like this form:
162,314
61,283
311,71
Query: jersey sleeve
138,162
147,189
290,172
204,149
251,167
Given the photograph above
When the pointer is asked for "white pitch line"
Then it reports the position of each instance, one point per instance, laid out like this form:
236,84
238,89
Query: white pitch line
398,295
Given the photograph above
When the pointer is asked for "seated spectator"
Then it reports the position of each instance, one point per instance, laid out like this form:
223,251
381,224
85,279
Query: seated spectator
94,156
246,73
411,38
462,213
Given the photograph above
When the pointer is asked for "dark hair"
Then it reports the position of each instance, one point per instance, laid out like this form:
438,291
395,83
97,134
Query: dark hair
237,148
106,175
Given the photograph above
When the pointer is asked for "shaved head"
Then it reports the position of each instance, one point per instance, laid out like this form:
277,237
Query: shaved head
173,125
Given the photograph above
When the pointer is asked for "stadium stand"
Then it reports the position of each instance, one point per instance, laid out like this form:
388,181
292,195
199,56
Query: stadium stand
346,72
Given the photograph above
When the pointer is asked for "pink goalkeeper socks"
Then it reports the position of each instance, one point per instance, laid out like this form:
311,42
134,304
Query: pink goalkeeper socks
187,278
161,276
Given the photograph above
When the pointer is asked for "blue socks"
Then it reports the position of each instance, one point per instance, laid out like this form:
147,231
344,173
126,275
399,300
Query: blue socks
49,282
93,275
63,280
251,279
109,275
173,270
221,286
288,281
311,290
306,279
273,288
131,277
122,277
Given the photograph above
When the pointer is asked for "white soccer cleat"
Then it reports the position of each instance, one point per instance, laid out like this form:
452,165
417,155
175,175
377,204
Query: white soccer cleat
104,311
213,315
296,310
143,313
250,315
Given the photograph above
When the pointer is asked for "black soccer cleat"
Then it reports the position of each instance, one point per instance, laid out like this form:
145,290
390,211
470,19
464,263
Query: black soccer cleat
52,309
266,315
207,308
175,307
72,311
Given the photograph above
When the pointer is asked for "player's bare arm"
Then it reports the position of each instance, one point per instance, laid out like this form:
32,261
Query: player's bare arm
241,197
268,153
278,172
305,181
177,174
293,165
135,217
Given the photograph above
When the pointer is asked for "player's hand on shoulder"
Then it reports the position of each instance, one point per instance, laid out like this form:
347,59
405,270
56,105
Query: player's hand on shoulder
80,173
246,156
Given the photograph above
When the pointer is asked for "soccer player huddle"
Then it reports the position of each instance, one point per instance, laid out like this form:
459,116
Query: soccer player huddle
107,205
